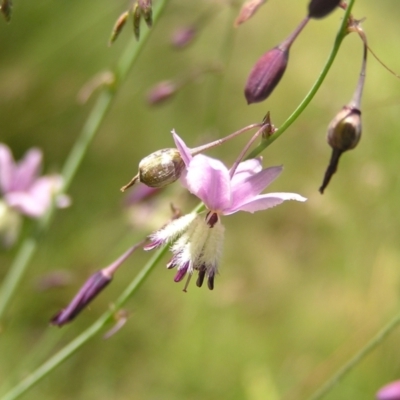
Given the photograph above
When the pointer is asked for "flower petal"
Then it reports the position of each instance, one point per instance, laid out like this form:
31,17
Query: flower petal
264,201
208,179
7,168
244,191
35,202
27,170
246,169
182,148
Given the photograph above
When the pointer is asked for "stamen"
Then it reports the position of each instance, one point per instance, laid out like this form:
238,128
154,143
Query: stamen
180,274
210,282
187,283
200,279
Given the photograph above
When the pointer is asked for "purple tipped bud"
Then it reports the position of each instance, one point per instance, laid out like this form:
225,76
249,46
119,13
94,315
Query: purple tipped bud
265,75
182,37
93,286
389,392
321,8
161,92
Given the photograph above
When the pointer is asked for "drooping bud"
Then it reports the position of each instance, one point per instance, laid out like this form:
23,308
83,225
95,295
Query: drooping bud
117,29
269,69
146,9
183,36
161,92
92,287
5,9
321,8
344,133
159,169
390,391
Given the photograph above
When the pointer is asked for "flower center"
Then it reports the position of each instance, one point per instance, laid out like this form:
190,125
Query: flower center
212,218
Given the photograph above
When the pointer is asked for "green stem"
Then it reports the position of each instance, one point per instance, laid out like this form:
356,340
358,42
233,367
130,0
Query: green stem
310,95
356,359
74,159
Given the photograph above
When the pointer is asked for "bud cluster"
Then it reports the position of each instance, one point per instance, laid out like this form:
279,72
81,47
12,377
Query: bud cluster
139,9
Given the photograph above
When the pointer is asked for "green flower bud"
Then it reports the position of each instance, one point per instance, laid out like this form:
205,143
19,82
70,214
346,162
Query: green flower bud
146,8
136,17
159,169
344,132
118,26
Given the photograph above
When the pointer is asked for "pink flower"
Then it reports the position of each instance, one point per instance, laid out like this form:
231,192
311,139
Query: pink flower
391,391
197,240
23,189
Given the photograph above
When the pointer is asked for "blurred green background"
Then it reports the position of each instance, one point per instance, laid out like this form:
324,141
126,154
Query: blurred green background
301,287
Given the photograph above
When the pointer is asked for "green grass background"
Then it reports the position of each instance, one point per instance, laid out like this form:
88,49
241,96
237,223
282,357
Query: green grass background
301,287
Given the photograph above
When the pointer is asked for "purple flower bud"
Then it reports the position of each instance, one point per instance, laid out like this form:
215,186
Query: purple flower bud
268,70
390,391
93,286
265,75
161,92
183,36
321,8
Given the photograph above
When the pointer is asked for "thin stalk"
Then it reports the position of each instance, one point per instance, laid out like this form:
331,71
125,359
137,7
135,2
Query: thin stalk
285,45
73,161
216,81
356,359
310,95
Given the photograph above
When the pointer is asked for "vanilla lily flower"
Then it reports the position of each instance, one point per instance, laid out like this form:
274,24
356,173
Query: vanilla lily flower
196,239
21,187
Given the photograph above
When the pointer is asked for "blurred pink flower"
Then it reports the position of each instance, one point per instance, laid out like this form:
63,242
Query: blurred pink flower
23,189
197,240
391,391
